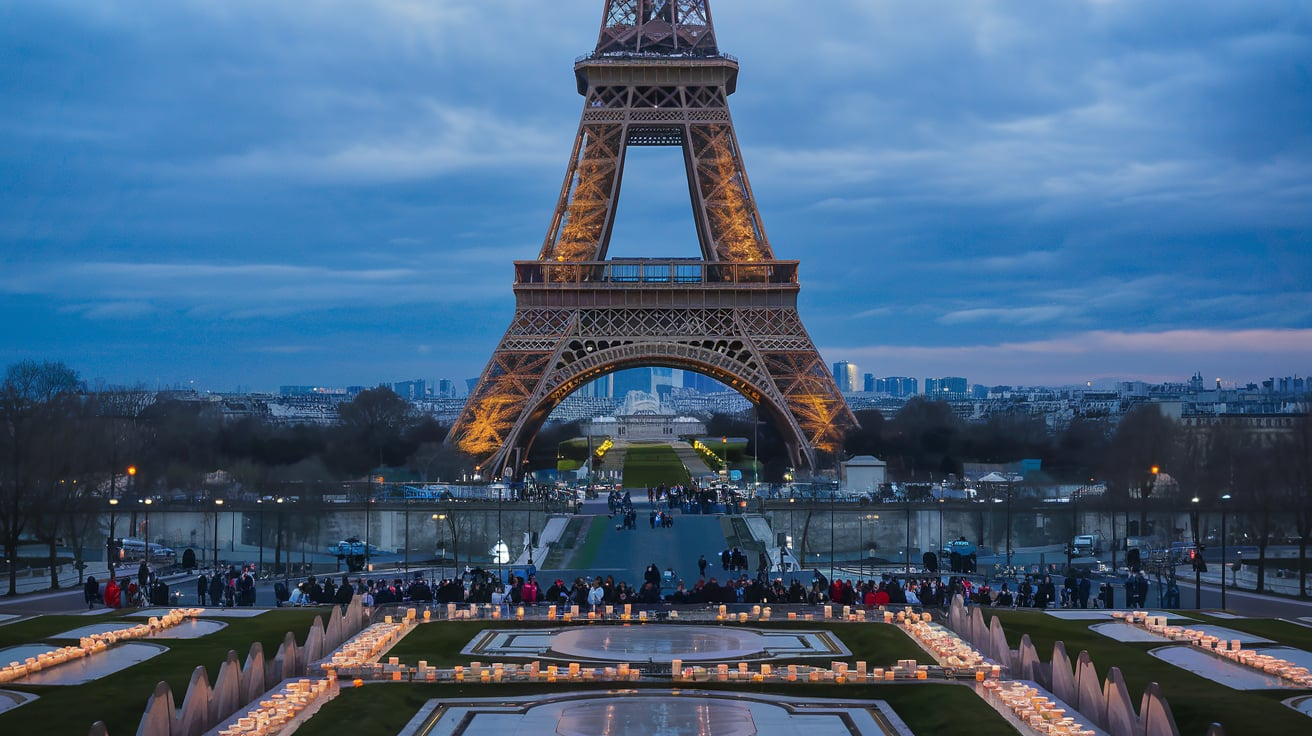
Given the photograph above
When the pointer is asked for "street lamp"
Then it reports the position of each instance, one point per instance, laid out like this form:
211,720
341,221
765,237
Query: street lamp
111,549
832,494
218,505
148,502
1197,557
862,544
279,548
907,493
260,564
791,532
437,526
1224,498
941,502
1010,488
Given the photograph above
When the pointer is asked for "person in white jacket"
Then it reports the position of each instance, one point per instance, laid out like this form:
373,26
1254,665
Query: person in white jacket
596,595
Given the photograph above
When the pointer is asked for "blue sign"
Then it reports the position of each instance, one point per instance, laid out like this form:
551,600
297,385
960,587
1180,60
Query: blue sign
735,475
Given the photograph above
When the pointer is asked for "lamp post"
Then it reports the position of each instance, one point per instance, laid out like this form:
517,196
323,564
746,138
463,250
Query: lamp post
907,493
437,524
791,503
111,549
500,573
1009,494
218,505
941,504
148,503
1224,498
260,564
869,518
406,514
832,494
1197,556
280,548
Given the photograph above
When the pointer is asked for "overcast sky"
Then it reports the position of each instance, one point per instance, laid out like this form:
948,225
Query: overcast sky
245,193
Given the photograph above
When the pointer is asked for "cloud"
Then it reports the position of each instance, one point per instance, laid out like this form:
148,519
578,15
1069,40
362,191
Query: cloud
121,290
993,173
1019,316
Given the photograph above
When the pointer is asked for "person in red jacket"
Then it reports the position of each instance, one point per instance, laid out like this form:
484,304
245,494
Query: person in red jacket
113,594
881,596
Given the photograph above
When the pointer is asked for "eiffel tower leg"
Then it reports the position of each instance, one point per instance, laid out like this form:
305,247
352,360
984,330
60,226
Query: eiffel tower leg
549,353
585,212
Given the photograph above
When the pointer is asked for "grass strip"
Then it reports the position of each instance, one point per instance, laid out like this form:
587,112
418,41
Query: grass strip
646,466
1195,701
119,699
585,557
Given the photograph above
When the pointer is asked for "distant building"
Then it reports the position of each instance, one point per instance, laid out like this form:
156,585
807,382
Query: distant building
446,389
947,389
845,374
412,390
897,386
864,474
868,383
634,379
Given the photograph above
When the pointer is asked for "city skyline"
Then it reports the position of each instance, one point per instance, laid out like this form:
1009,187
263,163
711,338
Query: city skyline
1037,194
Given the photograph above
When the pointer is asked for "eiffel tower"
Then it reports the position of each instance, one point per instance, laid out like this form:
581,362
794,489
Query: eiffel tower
656,78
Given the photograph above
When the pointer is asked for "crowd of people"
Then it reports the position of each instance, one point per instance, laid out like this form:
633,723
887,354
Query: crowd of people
146,589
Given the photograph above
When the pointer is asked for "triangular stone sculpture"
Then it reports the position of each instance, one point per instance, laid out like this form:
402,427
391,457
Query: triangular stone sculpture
1121,718
1063,678
195,717
252,674
159,715
1155,713
1089,700
227,696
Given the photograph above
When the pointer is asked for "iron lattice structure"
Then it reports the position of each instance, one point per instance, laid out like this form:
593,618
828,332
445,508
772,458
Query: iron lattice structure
656,78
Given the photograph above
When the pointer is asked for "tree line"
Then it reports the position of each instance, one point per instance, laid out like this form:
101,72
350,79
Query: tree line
65,449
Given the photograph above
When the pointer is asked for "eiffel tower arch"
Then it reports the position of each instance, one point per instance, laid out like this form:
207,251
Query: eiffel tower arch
656,78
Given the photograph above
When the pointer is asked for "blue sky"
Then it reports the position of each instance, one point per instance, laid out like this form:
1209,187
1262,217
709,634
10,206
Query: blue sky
249,193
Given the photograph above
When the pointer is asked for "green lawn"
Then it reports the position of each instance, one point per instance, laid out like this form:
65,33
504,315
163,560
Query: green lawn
927,709
1195,701
118,700
652,465
440,643
933,708
585,557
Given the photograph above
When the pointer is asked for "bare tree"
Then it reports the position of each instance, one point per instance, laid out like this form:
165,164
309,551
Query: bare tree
1295,462
26,395
1144,443
1265,495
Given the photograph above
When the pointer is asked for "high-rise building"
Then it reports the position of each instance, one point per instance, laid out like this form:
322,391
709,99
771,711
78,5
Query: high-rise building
446,388
951,387
845,374
868,383
701,384
413,390
633,379
897,386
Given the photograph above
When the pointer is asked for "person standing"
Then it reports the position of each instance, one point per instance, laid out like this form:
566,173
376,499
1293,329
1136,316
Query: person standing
202,588
113,594
701,565
91,592
216,588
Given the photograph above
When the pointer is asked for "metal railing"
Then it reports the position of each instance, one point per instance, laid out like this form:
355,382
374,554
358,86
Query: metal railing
655,56
629,274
